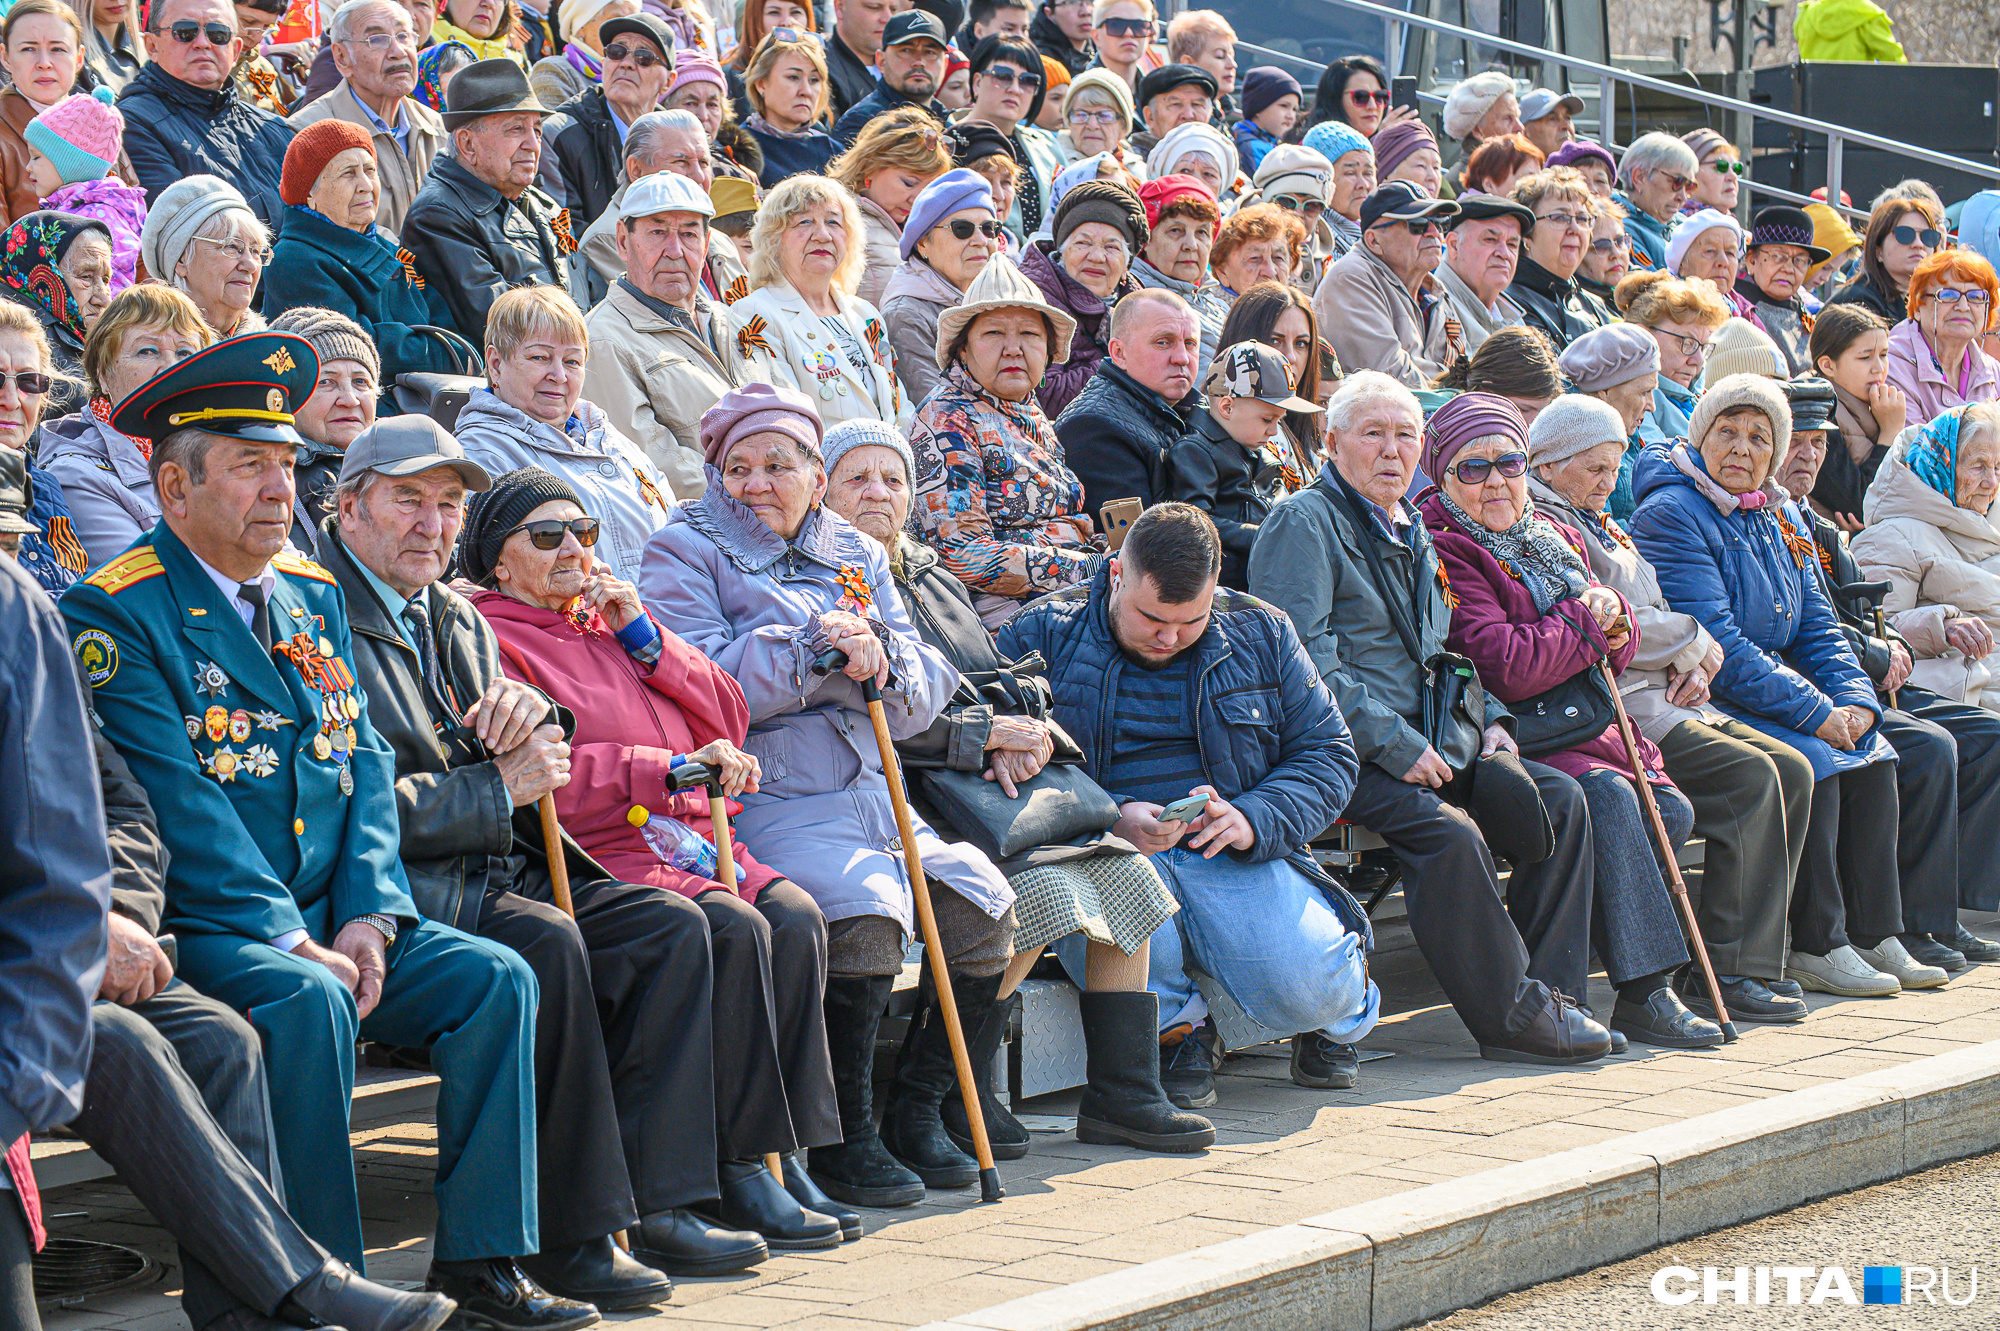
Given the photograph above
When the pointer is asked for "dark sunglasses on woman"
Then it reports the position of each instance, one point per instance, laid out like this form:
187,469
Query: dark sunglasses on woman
645,57
1361,98
962,229
1007,74
548,534
1909,235
1474,471
30,383
187,30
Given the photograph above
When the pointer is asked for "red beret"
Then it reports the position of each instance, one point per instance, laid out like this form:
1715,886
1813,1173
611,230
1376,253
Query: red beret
1162,194
312,148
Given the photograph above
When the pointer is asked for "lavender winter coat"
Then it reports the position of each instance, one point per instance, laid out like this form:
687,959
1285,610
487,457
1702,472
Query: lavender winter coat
718,577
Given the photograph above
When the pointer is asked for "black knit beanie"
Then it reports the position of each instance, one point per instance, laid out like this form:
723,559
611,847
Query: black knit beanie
491,514
1102,201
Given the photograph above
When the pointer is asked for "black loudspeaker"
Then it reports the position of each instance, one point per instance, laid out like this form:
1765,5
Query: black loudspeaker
1945,108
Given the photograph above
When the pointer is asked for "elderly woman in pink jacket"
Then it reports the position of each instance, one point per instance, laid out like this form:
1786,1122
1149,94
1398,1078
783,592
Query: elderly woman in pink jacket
1935,355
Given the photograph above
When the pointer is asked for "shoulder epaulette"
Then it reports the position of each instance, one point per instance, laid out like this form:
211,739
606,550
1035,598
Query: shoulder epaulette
289,561
133,566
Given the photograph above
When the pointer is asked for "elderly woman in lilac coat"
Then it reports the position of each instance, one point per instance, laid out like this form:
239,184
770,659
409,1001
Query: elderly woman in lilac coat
765,580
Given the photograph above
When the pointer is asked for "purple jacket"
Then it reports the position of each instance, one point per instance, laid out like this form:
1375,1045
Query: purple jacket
121,207
1066,378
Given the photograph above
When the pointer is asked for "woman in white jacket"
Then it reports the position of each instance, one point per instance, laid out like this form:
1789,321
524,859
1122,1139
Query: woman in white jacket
802,315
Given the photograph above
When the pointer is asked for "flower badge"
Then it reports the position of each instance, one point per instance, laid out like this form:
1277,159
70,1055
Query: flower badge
855,594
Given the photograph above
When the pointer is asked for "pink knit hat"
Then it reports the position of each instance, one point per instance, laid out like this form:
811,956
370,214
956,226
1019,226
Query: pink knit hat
696,69
80,136
758,409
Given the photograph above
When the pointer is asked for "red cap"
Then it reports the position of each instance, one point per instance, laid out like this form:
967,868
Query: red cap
1163,193
311,149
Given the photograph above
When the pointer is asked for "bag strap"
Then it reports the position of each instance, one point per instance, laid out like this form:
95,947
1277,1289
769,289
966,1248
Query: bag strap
1401,616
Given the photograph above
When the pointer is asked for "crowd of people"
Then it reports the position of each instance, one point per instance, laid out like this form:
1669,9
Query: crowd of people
471,415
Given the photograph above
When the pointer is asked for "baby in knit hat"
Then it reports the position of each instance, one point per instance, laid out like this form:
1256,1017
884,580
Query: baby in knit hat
73,150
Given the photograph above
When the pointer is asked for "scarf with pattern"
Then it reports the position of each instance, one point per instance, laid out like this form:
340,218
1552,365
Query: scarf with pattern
29,259
1531,550
1933,454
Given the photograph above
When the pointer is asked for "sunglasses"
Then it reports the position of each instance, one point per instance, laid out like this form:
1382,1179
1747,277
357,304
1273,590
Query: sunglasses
1680,183
962,229
33,384
1727,166
642,56
187,30
1612,245
1909,235
1474,471
548,534
1128,27
1418,225
1005,75
1360,98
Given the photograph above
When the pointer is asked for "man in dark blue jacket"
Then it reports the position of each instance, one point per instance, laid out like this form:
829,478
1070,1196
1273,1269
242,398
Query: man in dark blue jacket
912,63
1173,688
184,116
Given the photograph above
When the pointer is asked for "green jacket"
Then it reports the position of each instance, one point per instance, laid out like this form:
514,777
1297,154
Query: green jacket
361,275
1846,30
262,838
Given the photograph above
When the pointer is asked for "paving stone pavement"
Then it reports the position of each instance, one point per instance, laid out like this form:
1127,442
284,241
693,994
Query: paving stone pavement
1434,1111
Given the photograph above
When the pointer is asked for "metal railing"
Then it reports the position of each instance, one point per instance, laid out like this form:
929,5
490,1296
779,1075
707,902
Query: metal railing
1395,23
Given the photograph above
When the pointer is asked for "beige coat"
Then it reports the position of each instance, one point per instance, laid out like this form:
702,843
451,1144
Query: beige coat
1369,318
655,378
776,321
884,253
1668,639
402,174
597,252
1941,562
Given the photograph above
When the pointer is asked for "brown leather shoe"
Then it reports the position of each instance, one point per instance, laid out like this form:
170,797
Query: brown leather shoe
1559,1034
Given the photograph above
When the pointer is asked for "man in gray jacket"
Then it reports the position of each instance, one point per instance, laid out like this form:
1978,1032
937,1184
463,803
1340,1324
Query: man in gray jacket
1380,305
1440,779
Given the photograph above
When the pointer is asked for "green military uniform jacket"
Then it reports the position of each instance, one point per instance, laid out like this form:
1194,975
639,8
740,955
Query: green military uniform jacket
238,749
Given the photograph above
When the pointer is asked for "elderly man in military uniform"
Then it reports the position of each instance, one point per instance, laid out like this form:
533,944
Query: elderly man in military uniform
218,662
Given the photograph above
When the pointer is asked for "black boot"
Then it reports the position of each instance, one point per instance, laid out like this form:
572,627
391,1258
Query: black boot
1123,1104
807,1194
1004,1132
858,1171
925,1074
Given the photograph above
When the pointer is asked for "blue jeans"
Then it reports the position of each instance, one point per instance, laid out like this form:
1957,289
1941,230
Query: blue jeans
1266,933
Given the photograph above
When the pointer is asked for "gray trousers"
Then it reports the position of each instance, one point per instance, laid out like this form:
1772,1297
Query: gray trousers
1632,923
974,942
1752,798
176,1103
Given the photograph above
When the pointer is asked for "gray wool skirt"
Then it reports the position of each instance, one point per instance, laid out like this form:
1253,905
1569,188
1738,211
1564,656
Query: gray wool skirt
1116,899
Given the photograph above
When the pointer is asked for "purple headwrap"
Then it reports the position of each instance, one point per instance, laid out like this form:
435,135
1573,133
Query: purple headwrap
1467,417
1396,142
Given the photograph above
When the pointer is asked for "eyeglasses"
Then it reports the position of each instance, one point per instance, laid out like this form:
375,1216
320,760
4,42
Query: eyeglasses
642,56
184,32
30,383
1306,207
1580,221
1727,166
962,229
1691,347
1128,27
1418,225
1094,115
1800,260
548,535
1612,245
1681,184
382,41
1006,75
1474,471
1360,98
1953,295
1909,235
237,252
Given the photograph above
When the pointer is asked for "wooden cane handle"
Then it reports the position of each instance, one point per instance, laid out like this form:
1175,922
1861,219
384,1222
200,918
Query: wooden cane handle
552,847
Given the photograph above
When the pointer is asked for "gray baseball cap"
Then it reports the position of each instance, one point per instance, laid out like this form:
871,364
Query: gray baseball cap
1251,369
406,445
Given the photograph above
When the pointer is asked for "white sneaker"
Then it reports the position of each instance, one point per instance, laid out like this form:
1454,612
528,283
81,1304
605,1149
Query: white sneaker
1891,956
1843,972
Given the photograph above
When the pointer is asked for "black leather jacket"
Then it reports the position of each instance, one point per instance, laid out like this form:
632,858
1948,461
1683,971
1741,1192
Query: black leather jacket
1554,305
471,243
1234,486
580,149
1115,435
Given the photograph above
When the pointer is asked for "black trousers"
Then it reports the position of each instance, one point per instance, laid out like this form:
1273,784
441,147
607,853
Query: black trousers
1848,877
176,1103
17,1268
1496,958
1970,805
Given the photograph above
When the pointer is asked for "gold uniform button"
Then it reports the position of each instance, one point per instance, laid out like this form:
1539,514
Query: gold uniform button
298,827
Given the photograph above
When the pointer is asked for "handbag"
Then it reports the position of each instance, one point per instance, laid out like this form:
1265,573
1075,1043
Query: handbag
1574,712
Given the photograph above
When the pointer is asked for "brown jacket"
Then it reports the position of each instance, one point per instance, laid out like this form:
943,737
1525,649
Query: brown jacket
402,174
1373,323
15,113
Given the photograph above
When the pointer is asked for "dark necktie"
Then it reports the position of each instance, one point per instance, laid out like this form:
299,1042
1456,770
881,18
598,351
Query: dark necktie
252,594
418,613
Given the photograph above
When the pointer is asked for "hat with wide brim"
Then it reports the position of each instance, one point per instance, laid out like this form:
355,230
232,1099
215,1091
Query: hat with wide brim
488,88
1002,286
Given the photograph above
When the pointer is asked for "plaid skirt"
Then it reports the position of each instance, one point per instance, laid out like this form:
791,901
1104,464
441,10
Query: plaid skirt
1115,899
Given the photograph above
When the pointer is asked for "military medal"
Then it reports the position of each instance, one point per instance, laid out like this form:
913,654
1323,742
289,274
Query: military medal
208,677
346,779
352,706
271,720
322,746
222,764
216,722
260,759
193,726
239,725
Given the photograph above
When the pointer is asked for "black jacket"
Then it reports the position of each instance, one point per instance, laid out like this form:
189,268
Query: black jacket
1554,305
1863,292
174,130
1837,568
582,159
1209,469
138,856
884,98
471,243
847,73
1050,41
1115,435
462,835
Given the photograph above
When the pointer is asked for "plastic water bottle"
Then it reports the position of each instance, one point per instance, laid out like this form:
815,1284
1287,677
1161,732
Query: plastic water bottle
677,844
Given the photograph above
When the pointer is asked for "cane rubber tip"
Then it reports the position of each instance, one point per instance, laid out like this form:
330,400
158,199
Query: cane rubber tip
989,1186
1729,1032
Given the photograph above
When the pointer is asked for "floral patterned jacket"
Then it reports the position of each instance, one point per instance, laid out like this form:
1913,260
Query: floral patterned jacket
996,499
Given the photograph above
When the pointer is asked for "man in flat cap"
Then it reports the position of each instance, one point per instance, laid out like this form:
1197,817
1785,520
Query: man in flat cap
479,226
219,663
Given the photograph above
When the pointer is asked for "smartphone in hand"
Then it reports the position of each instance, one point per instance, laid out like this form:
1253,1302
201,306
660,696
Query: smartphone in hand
1185,810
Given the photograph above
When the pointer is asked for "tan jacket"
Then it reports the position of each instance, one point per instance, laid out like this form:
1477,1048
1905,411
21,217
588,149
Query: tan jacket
1941,561
883,253
654,379
597,253
1369,318
402,174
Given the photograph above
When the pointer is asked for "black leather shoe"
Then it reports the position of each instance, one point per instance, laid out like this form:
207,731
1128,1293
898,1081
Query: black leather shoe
682,1243
1748,999
495,1294
1972,947
337,1296
807,1194
1619,1044
242,1319
1786,988
1320,1063
1662,1020
598,1271
1928,951
1559,1035
752,1200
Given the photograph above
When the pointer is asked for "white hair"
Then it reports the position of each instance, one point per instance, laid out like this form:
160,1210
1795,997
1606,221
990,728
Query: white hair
1656,152
347,19
642,139
1366,388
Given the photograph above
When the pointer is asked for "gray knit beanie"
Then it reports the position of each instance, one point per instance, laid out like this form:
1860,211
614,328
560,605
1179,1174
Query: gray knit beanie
849,435
332,334
1573,424
1744,390
182,209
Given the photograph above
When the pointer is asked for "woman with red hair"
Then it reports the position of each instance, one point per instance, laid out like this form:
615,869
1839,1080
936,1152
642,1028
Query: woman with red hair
1934,355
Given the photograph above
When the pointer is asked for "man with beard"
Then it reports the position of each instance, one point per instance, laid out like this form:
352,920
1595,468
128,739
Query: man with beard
912,64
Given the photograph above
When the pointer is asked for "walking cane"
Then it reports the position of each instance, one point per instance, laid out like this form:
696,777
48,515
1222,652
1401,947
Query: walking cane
1872,594
686,777
990,1189
1679,885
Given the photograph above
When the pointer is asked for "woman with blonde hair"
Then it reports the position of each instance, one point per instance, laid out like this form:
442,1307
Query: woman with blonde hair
487,26
802,316
1683,317
786,82
1123,32
894,157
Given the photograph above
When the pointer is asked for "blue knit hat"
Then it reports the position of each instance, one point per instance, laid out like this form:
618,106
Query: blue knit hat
1334,139
952,192
80,135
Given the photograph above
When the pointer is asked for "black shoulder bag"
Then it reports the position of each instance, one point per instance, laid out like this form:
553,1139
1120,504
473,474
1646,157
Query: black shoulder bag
1574,712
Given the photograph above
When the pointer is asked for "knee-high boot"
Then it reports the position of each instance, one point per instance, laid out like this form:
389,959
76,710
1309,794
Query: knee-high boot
1003,1131
925,1074
858,1171
1123,1104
